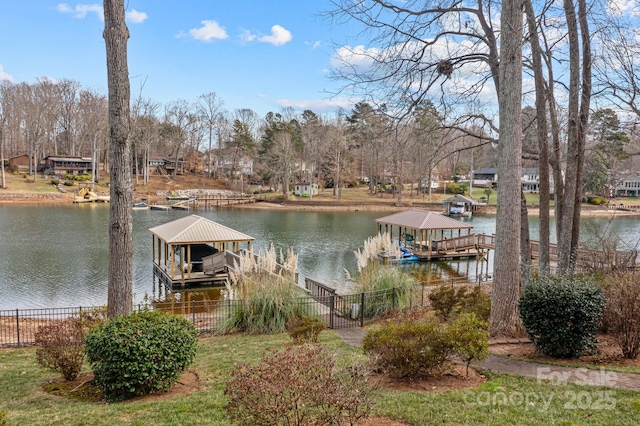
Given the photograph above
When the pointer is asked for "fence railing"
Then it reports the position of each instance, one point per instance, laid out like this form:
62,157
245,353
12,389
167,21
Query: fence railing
18,327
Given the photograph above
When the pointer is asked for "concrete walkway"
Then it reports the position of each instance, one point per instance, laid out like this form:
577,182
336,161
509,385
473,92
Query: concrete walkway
555,374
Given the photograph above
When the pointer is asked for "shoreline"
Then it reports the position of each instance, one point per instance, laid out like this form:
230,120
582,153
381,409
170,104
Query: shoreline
62,198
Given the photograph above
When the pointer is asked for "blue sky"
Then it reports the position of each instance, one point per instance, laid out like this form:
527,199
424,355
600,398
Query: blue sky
258,54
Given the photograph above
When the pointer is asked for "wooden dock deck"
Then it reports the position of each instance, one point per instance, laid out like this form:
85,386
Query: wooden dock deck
189,280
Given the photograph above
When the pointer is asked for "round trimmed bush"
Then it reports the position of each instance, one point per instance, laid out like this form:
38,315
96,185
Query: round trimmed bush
140,353
408,348
562,316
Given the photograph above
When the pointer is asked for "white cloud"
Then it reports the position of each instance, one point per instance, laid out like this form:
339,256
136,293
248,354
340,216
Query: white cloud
4,75
136,17
357,57
279,36
623,7
246,36
208,31
80,11
313,45
317,105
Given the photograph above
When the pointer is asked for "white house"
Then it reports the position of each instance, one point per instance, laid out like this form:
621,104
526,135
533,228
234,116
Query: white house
530,179
305,189
629,187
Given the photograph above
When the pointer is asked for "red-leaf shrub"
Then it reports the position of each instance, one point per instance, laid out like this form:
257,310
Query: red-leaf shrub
297,386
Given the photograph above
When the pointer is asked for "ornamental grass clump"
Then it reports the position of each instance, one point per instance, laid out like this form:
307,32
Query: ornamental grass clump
387,288
140,353
562,315
265,297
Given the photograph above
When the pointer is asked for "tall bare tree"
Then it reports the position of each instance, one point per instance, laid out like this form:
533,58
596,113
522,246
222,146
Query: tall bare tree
281,147
542,128
3,122
116,36
578,117
92,126
178,120
506,291
210,108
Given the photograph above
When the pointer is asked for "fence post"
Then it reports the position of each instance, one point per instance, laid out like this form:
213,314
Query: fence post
393,298
193,312
18,325
362,309
332,308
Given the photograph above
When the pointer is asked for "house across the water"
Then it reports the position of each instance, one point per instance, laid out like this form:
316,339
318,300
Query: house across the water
305,189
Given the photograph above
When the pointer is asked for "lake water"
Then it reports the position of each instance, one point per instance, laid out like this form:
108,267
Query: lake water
57,255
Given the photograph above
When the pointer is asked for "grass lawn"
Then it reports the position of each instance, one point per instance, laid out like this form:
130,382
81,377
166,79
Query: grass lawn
502,400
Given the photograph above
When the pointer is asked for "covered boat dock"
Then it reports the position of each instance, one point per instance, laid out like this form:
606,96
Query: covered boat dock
432,236
459,205
191,250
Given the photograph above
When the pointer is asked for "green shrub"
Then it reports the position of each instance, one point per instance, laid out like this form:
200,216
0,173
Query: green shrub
305,329
61,347
470,338
561,316
476,302
297,386
449,301
55,182
445,299
140,353
455,188
596,200
408,348
622,311
69,183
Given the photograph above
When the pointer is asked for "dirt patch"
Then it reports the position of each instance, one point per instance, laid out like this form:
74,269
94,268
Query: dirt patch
453,377
608,354
380,421
83,389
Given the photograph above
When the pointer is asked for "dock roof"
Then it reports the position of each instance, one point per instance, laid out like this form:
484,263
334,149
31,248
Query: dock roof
422,219
459,198
195,229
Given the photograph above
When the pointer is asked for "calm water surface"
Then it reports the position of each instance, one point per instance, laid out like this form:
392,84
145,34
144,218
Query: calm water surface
57,255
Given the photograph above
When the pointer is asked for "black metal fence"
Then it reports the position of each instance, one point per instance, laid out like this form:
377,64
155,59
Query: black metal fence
18,327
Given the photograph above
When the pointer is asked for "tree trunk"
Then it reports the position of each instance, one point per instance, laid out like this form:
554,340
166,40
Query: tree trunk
565,253
505,320
583,121
3,182
525,240
543,138
116,34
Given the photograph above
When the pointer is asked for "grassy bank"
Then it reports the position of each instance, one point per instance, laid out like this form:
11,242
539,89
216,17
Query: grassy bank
502,400
24,188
